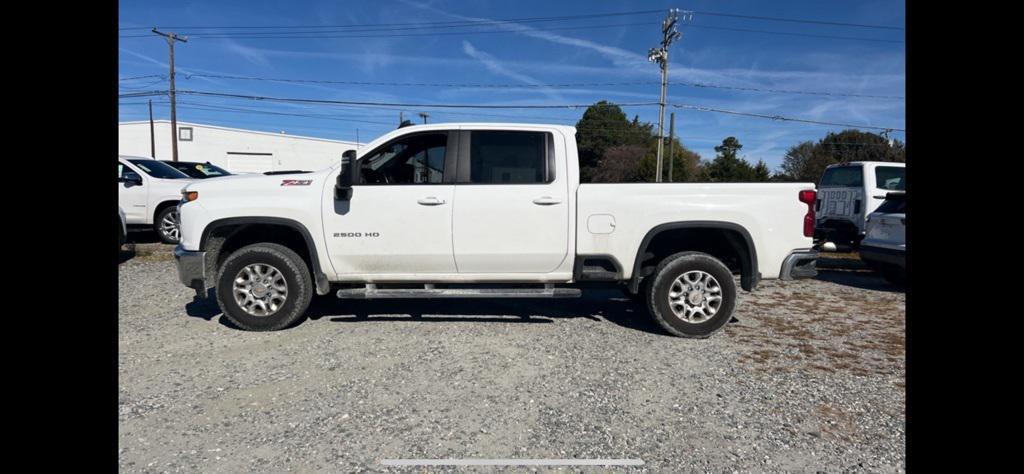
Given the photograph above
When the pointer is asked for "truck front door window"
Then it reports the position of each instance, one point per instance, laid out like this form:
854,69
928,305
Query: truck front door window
416,159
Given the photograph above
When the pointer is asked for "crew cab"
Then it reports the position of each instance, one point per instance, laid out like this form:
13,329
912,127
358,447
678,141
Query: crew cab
464,210
149,191
847,194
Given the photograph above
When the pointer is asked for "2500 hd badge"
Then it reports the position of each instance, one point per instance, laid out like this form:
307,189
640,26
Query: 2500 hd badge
356,234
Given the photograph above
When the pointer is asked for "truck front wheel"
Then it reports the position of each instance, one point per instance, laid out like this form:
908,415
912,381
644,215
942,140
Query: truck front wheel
264,287
168,225
692,294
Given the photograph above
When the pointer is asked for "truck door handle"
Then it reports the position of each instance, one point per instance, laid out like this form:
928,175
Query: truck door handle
430,201
546,201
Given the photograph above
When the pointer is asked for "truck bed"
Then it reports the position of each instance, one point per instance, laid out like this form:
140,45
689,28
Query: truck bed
770,213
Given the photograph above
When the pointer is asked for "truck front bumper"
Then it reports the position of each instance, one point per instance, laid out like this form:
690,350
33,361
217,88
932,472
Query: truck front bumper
191,269
799,264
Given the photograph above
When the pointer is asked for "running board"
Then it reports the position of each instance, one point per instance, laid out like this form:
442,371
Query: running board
372,292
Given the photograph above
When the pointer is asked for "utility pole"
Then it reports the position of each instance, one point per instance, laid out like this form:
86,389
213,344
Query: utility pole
171,38
671,142
424,115
401,118
152,134
660,56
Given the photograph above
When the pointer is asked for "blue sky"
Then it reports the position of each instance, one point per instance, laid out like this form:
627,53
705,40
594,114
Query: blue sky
533,54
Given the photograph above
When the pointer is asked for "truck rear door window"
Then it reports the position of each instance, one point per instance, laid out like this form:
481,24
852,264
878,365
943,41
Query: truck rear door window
507,157
845,176
889,177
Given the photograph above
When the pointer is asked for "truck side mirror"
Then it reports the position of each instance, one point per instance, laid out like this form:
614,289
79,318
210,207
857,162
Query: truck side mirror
347,177
130,181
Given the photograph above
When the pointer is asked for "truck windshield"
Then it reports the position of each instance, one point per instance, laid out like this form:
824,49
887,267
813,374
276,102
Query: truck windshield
157,169
848,176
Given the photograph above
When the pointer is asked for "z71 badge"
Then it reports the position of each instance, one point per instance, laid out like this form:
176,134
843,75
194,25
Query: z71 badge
296,182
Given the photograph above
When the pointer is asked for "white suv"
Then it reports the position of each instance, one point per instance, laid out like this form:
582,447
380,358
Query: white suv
884,248
149,192
848,192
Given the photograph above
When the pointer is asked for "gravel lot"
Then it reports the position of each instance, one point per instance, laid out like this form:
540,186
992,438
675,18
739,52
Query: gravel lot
808,377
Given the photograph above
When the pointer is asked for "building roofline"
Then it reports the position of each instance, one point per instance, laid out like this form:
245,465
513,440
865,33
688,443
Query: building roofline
258,132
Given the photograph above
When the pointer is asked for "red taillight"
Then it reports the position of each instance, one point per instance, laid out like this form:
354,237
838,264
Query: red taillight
808,196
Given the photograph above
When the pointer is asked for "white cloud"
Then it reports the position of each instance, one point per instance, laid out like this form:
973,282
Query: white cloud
496,67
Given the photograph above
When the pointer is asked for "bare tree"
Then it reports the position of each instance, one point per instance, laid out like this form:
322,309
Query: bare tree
620,164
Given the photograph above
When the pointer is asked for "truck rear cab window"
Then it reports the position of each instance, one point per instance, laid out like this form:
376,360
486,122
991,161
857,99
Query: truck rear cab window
843,176
412,159
889,177
510,157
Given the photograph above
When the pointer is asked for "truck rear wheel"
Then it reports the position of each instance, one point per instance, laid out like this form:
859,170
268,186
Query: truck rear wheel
264,287
692,294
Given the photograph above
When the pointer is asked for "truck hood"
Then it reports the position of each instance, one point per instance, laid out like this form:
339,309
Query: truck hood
257,182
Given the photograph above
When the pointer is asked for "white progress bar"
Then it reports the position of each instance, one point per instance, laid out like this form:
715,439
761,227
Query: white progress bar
512,462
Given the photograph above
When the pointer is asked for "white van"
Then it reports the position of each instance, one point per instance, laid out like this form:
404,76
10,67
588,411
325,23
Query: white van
848,193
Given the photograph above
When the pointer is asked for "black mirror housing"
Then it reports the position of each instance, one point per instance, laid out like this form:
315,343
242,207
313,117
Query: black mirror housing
347,177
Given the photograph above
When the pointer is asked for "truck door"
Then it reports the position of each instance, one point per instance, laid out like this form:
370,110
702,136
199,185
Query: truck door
399,219
132,197
511,203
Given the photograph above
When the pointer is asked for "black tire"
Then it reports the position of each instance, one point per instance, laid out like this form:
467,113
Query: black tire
666,273
895,275
292,268
160,216
120,237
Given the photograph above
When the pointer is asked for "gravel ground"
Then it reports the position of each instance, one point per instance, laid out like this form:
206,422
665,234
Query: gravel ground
808,377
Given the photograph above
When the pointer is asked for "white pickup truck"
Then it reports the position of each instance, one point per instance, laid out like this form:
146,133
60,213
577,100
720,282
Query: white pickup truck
485,210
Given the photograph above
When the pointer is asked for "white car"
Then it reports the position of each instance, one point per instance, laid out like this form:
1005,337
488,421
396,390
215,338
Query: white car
847,193
884,248
486,211
149,192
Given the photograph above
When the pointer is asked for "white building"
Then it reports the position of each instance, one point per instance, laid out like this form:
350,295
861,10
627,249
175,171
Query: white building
231,148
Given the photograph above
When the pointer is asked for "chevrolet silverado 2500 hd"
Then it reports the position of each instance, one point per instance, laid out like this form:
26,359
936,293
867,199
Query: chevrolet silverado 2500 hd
485,210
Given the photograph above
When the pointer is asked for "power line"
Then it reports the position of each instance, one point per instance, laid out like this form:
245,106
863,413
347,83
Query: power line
525,20
786,33
780,117
794,20
398,104
436,23
316,35
503,106
210,107
141,77
534,86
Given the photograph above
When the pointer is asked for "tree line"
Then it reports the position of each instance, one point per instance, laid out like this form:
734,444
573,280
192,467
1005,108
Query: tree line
614,149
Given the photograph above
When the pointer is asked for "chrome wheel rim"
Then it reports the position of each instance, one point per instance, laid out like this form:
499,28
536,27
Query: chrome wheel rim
170,226
260,289
695,297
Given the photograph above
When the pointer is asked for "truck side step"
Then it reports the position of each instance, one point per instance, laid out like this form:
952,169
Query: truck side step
372,292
